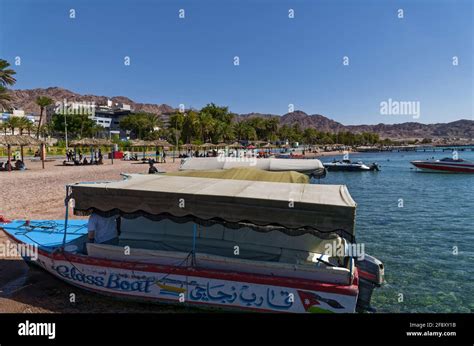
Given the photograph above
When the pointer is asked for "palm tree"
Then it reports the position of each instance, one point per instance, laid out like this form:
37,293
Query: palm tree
42,102
207,126
23,124
6,78
3,127
29,126
13,123
4,98
6,74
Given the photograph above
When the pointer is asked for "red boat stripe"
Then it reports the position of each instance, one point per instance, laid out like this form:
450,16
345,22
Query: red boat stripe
367,275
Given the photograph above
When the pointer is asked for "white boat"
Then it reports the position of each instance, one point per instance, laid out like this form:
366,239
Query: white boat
348,165
240,244
445,165
311,167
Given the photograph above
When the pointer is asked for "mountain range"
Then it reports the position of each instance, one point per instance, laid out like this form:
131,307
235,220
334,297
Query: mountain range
462,129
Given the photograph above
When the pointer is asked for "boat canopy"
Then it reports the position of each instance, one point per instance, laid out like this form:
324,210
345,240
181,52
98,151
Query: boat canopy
294,209
309,166
247,173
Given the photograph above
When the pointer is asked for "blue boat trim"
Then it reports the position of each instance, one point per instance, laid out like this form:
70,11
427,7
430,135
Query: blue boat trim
47,234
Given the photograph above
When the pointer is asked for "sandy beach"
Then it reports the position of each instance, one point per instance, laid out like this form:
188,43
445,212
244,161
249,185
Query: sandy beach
39,194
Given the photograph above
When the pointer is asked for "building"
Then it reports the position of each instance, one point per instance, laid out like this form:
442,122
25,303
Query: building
109,116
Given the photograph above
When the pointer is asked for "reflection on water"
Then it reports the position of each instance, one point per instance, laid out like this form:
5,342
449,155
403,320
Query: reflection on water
417,241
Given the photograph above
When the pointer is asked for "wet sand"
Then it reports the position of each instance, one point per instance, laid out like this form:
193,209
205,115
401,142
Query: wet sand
39,194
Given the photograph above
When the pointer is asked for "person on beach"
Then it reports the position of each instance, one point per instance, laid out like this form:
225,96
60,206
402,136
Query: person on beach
152,169
103,230
20,165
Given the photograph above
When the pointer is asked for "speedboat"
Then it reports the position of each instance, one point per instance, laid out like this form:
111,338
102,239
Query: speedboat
445,165
348,165
209,242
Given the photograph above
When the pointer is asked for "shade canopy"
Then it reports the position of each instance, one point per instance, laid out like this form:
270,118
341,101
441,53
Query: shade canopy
138,143
152,143
236,145
297,208
19,141
189,146
91,142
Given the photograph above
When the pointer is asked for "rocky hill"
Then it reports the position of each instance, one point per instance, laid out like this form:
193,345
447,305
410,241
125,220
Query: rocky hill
25,99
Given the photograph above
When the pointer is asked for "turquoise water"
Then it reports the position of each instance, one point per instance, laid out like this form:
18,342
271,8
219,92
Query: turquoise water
416,242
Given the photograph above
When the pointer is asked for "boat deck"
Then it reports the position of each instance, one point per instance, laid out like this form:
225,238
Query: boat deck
46,234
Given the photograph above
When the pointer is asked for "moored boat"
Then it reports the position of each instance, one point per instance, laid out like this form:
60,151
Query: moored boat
312,167
240,244
348,165
445,165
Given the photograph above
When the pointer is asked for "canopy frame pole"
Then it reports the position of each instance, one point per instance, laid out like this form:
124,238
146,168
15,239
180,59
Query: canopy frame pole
8,159
193,253
22,154
66,217
42,154
112,153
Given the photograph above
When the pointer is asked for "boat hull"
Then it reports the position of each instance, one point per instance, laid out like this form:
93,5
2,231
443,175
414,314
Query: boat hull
443,167
341,168
197,287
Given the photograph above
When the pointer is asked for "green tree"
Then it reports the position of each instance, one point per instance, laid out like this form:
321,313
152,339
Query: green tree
78,126
5,98
43,102
141,125
6,79
13,123
6,74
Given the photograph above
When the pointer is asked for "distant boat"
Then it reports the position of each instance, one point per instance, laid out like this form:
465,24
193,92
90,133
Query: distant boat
348,165
445,165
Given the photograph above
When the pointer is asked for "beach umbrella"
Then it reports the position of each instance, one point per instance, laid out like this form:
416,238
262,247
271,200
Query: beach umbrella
235,145
21,141
139,143
91,142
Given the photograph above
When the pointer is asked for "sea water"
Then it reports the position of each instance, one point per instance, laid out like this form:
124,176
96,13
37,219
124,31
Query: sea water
420,225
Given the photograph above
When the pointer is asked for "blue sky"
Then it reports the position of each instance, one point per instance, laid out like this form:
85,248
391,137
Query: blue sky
282,61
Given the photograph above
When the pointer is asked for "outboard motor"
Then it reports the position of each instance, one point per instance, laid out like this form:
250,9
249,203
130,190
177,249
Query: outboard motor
374,167
371,275
319,173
